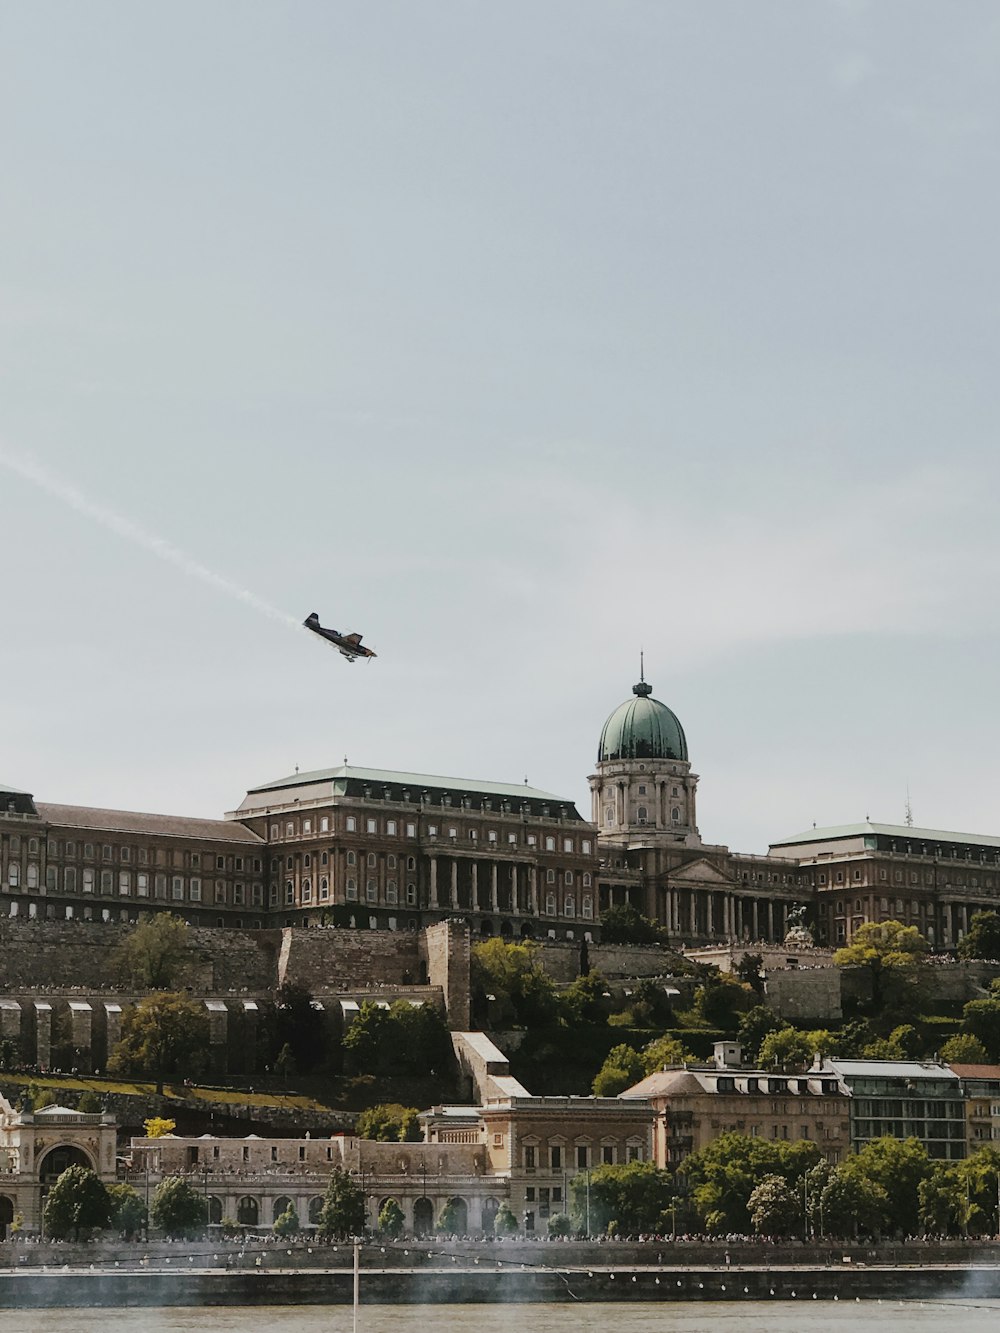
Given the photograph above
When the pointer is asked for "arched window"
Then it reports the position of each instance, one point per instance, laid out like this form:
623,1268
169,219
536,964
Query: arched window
352,891
642,814
675,815
550,904
248,1212
351,859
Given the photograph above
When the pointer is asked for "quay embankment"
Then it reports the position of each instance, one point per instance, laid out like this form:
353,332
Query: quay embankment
203,1274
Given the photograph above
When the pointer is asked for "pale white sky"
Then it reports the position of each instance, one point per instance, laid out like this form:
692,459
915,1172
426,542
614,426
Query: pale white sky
516,337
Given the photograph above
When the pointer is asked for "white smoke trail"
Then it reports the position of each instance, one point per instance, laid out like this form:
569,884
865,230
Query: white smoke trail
62,490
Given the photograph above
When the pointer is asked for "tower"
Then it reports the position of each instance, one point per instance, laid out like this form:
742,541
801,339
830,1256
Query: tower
643,792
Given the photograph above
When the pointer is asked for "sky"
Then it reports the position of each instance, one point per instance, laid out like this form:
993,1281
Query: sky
518,338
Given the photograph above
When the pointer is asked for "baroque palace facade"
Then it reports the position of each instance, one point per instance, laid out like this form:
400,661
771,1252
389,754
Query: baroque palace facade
373,848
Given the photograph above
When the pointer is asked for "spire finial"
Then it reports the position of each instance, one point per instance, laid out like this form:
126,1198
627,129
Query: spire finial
642,666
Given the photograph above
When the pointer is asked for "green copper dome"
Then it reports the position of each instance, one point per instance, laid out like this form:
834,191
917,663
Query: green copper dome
642,728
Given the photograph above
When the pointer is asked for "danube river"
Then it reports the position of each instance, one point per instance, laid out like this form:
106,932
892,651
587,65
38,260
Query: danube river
805,1316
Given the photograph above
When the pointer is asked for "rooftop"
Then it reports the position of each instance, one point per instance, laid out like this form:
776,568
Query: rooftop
389,777
905,1069
132,821
902,831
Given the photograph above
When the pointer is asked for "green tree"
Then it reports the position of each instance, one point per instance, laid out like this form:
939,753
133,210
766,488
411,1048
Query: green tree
163,1036
942,1203
154,954
285,1064
288,1222
721,1001
343,1210
903,1043
775,1207
845,1205
391,1219
403,1039
897,1166
36,1098
389,1122
177,1209
585,1000
964,1049
293,1020
754,1026
981,1018
623,1066
560,1225
448,1222
522,995
624,924
750,970
630,1197
723,1175
78,1203
887,951
663,1052
505,1223
786,1049
983,937
89,1103
128,1212
10,1054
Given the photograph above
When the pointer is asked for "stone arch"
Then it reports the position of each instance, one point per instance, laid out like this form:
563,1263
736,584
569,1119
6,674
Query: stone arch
315,1208
214,1210
59,1158
6,1215
491,1207
486,929
506,930
460,1216
423,1217
526,931
248,1211
281,1205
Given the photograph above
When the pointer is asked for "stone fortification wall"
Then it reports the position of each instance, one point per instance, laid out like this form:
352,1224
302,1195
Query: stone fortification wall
561,959
329,958
805,994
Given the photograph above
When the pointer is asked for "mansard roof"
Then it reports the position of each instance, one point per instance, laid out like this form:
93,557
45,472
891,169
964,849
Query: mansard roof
133,821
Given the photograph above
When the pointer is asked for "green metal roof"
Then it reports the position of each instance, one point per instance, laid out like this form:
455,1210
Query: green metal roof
642,728
903,832
388,777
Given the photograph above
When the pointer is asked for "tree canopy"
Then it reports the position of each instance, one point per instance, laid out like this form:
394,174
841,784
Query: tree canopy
154,954
128,1212
887,950
389,1122
343,1210
628,1198
724,1174
625,924
510,987
292,1021
177,1209
983,937
403,1039
163,1036
78,1203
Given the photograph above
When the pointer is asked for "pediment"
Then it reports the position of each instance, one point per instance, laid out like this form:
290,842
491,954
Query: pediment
702,873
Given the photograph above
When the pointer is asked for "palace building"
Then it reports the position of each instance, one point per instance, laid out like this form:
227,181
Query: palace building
375,848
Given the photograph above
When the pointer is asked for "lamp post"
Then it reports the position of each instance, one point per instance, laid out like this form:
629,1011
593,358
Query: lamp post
588,1203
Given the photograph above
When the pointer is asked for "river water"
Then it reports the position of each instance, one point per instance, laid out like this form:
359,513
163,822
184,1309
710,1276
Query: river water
661,1317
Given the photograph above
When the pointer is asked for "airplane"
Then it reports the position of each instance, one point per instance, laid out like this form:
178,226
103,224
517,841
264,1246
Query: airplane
348,645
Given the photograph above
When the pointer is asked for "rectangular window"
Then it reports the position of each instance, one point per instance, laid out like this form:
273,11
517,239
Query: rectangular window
567,844
529,1158
177,888
160,884
351,824
582,1157
411,895
608,1154
124,882
196,890
126,854
351,891
555,1158
107,881
307,826
220,890
324,823
142,884
585,846
390,828
50,877
411,830
239,895
371,891
371,825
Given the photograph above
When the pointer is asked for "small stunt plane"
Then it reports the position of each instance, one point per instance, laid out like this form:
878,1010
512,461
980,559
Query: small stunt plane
348,645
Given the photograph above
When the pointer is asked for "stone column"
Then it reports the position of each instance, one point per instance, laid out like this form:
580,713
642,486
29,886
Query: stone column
454,881
10,1021
755,923
770,921
693,912
710,914
251,1017
113,1025
514,904
82,1026
43,1034
533,890
494,890
434,882
946,924
963,919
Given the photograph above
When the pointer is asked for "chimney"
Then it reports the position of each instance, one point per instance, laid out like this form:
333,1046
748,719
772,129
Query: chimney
727,1054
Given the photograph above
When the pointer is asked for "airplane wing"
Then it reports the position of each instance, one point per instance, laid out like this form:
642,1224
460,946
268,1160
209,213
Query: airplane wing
355,639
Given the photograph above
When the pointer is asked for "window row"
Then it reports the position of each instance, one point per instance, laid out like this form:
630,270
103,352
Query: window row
142,884
393,828
126,854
